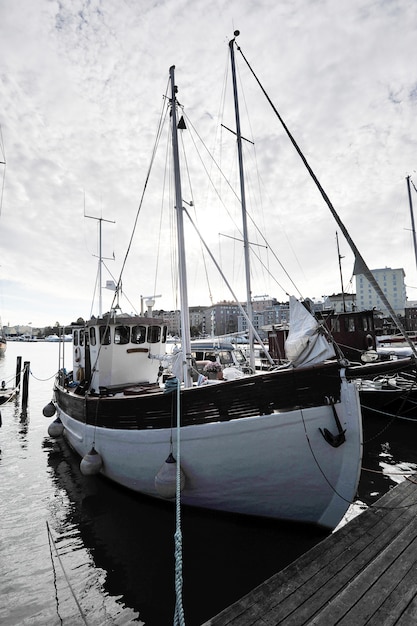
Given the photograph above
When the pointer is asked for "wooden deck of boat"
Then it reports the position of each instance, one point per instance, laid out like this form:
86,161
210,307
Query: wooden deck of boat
365,573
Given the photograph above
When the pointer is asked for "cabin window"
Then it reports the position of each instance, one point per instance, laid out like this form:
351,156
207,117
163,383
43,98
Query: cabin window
75,338
93,336
240,357
122,334
104,335
81,337
225,357
164,334
154,334
138,334
350,324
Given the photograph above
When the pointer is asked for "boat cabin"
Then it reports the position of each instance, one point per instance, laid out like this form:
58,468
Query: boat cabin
113,351
354,332
206,352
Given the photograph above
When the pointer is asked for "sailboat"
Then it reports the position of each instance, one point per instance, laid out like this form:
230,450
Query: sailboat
283,444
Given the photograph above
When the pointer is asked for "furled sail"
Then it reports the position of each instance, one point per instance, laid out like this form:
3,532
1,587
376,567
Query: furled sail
306,344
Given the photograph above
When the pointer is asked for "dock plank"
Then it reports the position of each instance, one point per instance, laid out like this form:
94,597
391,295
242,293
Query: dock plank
396,603
348,578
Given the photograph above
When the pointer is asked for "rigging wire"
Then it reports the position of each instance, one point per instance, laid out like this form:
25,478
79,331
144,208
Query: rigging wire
192,203
164,111
360,266
2,162
217,192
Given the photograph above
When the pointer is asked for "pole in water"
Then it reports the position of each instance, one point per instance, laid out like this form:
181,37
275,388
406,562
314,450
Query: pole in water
18,370
25,391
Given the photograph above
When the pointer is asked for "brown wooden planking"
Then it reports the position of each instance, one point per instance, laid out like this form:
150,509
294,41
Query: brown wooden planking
367,568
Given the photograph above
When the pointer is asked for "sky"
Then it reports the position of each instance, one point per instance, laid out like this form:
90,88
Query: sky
82,85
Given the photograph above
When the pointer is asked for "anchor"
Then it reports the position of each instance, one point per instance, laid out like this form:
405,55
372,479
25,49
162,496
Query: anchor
334,440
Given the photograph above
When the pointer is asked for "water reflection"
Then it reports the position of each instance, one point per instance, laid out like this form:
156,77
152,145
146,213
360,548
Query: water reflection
15,422
389,455
77,543
131,540
122,544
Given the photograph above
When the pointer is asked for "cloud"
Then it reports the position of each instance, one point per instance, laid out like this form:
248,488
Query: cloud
83,86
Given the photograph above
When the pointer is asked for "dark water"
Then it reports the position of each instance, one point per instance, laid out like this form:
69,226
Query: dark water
108,557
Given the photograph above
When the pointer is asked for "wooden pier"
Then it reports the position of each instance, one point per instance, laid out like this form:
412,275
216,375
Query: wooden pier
364,573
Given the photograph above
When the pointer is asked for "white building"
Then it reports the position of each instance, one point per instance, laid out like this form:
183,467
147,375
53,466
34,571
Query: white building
392,284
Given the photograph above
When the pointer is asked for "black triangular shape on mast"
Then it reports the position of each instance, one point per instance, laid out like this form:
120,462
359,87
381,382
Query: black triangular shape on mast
181,124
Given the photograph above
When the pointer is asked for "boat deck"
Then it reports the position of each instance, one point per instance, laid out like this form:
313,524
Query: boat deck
365,573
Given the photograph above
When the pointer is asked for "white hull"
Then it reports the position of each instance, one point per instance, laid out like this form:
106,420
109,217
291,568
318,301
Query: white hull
276,465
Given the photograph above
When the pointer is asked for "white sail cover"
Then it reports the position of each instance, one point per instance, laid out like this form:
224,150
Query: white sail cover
305,345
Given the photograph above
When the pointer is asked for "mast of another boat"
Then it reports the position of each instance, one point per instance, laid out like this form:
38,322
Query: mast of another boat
413,228
185,316
243,203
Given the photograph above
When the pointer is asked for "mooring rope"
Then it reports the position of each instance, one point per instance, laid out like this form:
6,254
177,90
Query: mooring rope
395,416
179,610
55,577
52,543
42,380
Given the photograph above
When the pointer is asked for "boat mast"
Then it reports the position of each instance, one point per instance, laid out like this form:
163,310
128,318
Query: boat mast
243,201
413,228
185,316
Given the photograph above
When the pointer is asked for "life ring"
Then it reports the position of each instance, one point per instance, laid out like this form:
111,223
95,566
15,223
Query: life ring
77,355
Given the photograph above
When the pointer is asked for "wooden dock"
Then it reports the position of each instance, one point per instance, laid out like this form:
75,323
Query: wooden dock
365,573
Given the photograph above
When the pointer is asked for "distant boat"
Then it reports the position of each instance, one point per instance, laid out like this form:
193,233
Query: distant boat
56,338
284,444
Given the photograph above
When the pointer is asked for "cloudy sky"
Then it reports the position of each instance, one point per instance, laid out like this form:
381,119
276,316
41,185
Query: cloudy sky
82,85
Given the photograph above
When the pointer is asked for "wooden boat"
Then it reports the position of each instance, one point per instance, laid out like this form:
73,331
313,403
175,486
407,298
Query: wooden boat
387,383
283,444
6,393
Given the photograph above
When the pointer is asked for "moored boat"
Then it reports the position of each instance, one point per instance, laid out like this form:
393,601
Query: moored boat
284,444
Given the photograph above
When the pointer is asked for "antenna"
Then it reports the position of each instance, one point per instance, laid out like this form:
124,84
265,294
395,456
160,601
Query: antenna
150,301
100,257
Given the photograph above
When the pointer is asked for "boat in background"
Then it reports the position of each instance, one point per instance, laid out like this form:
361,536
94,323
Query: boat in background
283,444
388,381
6,393
3,343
